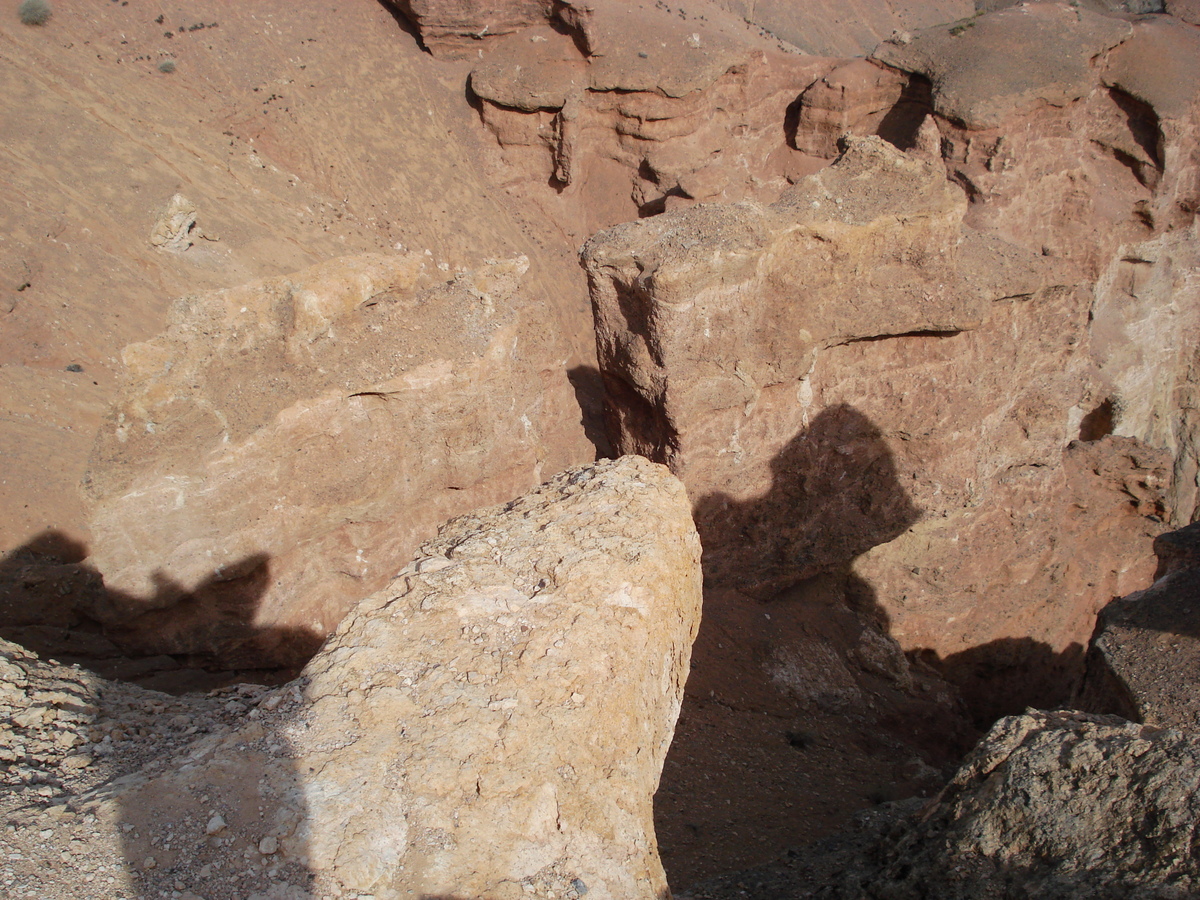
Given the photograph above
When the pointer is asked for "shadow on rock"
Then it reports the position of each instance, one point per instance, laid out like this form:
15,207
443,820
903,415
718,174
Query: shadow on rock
1005,677
800,708
834,494
54,603
589,394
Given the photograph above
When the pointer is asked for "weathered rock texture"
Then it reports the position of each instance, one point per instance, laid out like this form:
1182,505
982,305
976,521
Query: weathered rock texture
452,28
1144,659
1054,805
283,447
456,27
639,108
492,723
289,156
854,377
1074,136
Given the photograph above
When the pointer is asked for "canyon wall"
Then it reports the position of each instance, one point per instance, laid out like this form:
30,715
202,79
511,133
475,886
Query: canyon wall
957,373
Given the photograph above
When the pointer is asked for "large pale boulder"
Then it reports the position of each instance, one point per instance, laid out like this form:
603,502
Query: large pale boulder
283,447
492,723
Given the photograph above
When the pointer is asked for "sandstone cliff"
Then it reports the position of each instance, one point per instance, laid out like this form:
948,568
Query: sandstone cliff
854,376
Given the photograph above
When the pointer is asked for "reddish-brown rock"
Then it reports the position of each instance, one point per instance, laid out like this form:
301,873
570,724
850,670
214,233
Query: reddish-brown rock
454,28
639,109
846,27
853,381
282,447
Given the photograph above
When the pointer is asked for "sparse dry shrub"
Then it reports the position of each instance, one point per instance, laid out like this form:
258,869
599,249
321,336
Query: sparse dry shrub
35,12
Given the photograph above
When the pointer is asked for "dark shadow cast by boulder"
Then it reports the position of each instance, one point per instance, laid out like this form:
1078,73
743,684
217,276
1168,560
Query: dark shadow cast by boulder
589,394
1007,676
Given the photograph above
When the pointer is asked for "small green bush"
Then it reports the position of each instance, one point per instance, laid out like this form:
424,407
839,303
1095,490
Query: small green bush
167,66
35,12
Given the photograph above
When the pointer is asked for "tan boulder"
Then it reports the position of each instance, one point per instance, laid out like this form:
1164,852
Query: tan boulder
492,723
284,446
710,319
1051,804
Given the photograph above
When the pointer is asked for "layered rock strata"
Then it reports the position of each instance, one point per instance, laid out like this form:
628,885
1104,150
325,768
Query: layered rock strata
854,378
492,723
283,447
636,109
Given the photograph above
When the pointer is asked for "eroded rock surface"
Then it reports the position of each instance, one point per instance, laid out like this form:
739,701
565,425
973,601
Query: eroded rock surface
853,378
639,107
1053,804
283,447
492,723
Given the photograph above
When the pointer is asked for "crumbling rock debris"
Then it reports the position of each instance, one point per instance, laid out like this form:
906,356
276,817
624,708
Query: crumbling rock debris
1051,804
175,229
1144,660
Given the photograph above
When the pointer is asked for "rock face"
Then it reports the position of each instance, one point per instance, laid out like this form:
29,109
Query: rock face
1054,805
452,28
773,356
984,69
283,447
638,109
492,723
1143,661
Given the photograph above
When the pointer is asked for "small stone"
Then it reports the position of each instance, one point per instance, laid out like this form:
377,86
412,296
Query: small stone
215,825
268,845
77,762
150,863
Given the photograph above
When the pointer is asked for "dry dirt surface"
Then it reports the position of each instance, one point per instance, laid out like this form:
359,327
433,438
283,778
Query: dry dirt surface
298,131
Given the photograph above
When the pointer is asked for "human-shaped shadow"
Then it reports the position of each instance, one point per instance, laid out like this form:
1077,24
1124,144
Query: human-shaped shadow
801,708
834,495
55,604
